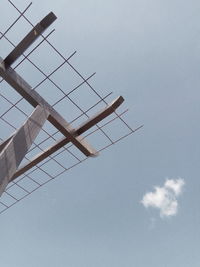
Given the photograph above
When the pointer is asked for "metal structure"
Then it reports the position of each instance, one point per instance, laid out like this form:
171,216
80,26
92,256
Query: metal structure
43,129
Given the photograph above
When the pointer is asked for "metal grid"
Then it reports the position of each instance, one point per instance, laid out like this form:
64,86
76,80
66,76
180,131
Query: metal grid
75,98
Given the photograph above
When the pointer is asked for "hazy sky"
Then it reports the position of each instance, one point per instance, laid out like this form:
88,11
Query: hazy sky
137,204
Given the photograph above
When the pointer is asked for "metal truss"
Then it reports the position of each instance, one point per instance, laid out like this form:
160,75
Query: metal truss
44,144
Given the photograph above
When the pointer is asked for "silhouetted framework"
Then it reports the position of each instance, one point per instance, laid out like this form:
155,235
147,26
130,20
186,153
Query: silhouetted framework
44,144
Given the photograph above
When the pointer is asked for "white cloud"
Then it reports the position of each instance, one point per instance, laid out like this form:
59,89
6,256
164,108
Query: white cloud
165,198
175,185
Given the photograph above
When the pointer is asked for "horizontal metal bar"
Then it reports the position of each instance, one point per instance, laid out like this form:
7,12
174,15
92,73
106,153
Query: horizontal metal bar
29,39
25,90
81,129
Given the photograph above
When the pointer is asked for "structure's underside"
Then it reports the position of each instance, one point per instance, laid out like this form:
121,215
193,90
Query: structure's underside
38,143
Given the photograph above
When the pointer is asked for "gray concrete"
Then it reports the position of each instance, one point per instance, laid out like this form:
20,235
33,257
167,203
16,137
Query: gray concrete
81,129
25,90
13,150
17,147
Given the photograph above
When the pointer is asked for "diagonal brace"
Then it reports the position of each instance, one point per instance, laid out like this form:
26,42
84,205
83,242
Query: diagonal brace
81,129
25,90
29,39
16,148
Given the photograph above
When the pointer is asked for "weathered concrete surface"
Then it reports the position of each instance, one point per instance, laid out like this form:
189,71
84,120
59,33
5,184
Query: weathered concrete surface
16,148
25,90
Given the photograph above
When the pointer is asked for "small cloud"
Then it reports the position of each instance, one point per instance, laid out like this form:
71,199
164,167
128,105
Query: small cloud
175,185
165,198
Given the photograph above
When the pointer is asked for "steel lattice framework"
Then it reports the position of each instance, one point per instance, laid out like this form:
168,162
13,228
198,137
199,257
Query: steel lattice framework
44,144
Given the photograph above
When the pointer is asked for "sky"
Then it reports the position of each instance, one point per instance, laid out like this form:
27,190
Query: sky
137,204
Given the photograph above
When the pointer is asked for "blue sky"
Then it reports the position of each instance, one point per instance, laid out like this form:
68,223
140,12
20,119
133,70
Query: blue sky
149,52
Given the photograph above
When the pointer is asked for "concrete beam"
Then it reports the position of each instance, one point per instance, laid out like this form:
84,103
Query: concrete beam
25,90
81,129
4,143
17,147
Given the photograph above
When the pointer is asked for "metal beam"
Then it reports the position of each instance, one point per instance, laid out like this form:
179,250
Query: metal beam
16,149
105,112
81,129
29,39
25,90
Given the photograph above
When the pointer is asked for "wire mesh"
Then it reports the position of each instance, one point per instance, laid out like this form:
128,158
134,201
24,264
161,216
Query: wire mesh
56,79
